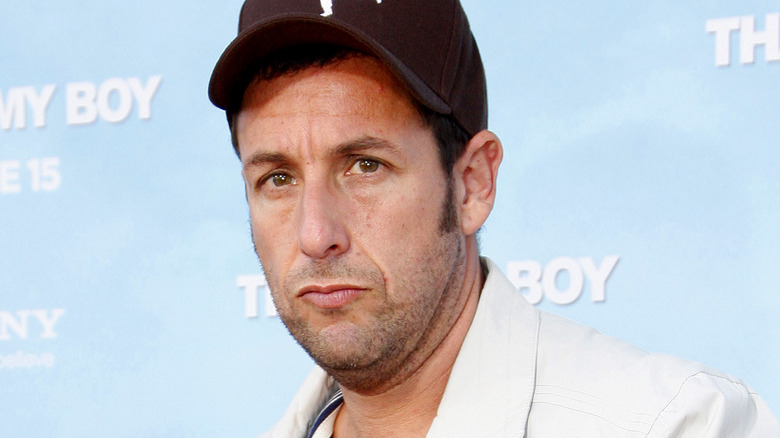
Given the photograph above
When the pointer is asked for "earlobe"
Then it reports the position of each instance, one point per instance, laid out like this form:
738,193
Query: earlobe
477,170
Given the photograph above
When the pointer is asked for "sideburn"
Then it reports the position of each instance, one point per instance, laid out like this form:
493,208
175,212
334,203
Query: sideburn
448,221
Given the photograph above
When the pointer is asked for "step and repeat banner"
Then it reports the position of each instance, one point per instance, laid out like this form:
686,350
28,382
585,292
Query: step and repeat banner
640,194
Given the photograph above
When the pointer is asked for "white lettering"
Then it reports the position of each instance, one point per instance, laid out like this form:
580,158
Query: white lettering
47,321
327,7
9,177
112,101
598,276
119,88
145,94
537,283
44,175
749,39
550,280
250,284
40,104
12,108
81,107
19,324
526,275
21,359
722,28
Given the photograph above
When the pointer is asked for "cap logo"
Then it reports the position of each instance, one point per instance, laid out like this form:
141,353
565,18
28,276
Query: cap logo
327,7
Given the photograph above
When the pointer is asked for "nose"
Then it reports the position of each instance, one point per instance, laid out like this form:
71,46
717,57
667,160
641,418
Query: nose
322,231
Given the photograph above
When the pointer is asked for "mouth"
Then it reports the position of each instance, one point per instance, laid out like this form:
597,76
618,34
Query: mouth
330,297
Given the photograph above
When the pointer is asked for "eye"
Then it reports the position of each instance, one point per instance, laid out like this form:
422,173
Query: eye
280,179
365,165
277,179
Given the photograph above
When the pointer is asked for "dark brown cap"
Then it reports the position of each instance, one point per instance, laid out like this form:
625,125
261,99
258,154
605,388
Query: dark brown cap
427,44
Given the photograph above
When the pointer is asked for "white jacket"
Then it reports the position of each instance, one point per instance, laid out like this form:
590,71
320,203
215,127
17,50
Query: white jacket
522,372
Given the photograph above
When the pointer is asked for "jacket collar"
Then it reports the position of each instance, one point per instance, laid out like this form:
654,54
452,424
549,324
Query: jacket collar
491,386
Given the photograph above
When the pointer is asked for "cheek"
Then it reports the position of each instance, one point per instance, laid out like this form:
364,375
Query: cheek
271,254
273,237
397,227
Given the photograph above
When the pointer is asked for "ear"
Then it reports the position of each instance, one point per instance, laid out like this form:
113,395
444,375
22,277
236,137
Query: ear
476,172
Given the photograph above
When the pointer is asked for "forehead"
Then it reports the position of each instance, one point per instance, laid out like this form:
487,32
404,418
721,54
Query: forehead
358,87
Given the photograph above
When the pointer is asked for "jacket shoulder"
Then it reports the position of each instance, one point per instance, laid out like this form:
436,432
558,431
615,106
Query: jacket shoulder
596,383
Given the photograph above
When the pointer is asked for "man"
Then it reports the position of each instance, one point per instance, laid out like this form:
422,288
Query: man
361,128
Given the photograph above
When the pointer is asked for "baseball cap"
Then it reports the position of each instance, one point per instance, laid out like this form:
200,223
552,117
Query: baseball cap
427,44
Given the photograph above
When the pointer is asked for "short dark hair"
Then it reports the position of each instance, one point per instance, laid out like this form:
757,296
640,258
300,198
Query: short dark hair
450,137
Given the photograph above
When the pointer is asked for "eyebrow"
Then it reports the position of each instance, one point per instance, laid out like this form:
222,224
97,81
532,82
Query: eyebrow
363,144
260,158
351,147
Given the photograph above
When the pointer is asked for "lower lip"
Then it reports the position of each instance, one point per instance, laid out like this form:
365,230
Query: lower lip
332,300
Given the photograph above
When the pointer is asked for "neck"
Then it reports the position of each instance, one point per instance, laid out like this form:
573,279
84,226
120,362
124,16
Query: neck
408,408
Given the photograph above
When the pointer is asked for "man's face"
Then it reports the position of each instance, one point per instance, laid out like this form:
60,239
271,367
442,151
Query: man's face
346,196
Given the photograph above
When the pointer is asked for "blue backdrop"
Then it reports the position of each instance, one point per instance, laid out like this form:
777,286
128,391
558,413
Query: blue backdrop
639,194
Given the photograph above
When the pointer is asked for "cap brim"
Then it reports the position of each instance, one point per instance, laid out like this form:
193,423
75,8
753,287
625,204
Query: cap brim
237,65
